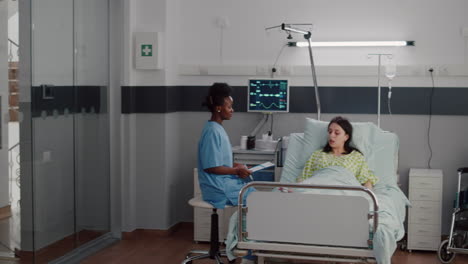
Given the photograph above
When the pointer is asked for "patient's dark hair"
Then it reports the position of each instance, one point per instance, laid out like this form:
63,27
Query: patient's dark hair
348,129
218,92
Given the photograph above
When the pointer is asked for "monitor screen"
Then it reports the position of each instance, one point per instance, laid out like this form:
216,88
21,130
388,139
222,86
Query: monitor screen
268,95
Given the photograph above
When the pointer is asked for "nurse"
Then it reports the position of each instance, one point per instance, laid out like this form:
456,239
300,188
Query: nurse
220,179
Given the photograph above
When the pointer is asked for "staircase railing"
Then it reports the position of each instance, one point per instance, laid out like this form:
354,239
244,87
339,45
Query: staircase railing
15,170
10,49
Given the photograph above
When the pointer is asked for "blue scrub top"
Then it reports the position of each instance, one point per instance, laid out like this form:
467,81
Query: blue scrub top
214,150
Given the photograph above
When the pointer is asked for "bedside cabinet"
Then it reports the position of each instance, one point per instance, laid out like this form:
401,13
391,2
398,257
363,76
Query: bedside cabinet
254,157
424,217
202,217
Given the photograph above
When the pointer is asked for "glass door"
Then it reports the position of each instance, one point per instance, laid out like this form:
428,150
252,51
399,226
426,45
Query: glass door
69,125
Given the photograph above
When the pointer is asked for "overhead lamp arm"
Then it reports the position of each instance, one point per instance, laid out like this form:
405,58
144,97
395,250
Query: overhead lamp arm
295,30
307,36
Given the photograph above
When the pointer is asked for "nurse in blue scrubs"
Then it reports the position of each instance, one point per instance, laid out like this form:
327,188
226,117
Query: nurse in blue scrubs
220,179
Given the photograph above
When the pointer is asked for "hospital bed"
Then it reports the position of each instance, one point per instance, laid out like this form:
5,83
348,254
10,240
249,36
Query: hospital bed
322,221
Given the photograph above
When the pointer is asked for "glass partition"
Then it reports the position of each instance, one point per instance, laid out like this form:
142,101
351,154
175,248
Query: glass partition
69,125
91,120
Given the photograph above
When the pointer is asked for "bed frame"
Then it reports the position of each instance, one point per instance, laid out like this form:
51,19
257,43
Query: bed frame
318,227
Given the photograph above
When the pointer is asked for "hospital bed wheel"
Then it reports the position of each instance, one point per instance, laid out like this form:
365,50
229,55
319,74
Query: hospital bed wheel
444,256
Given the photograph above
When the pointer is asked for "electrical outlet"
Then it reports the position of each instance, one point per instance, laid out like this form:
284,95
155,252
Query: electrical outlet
46,156
443,71
278,69
428,68
203,70
222,22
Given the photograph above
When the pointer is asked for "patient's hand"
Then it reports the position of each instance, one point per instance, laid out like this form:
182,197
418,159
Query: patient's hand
368,185
286,189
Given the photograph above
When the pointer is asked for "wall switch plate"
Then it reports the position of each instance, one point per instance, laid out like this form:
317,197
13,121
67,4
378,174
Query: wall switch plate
47,156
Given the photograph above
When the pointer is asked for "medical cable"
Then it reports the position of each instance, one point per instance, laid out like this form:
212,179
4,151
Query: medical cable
221,40
430,119
389,97
389,106
273,69
271,126
390,73
260,125
279,154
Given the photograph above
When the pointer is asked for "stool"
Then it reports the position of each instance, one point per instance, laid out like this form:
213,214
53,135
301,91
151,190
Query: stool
214,252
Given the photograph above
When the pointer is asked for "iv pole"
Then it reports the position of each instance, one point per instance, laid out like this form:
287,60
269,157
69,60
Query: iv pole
307,35
379,55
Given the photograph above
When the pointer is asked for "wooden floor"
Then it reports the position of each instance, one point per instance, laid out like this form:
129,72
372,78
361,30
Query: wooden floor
156,249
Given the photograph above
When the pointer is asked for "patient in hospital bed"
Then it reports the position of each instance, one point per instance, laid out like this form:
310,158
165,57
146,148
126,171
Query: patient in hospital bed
339,152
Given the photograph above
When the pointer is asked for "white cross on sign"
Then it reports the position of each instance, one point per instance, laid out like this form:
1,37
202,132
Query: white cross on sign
146,50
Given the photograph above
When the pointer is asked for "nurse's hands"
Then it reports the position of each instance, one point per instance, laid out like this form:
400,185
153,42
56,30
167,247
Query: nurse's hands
242,171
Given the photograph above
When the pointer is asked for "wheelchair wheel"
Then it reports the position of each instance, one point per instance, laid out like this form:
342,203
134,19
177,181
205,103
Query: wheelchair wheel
443,254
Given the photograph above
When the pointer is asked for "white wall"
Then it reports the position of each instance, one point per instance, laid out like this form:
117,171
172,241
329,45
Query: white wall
142,16
246,45
154,172
143,163
146,174
430,23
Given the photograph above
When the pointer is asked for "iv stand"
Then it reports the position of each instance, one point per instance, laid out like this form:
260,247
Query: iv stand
379,55
307,35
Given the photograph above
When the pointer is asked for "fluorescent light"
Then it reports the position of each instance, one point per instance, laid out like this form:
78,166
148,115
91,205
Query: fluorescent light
353,44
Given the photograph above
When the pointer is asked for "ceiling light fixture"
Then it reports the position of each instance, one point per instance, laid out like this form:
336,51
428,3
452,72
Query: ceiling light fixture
353,44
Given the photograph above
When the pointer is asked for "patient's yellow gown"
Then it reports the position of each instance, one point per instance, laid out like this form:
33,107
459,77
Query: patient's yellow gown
353,161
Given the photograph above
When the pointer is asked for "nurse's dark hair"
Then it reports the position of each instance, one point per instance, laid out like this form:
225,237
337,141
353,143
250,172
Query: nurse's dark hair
348,129
216,95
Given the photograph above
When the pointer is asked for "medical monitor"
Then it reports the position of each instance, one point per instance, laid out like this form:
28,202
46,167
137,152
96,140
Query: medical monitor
268,95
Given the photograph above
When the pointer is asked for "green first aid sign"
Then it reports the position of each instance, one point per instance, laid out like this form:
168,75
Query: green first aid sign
146,50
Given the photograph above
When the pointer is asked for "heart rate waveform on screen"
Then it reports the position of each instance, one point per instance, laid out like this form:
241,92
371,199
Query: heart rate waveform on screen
268,96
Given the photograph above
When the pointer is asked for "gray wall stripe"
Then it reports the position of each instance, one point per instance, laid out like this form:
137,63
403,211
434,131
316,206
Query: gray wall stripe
348,100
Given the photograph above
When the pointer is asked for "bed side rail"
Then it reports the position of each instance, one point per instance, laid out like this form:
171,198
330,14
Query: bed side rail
241,206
